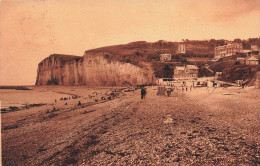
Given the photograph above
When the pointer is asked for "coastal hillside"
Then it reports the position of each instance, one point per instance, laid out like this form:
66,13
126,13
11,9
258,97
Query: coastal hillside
135,63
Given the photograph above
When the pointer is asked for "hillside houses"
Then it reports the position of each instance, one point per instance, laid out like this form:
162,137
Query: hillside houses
249,60
233,52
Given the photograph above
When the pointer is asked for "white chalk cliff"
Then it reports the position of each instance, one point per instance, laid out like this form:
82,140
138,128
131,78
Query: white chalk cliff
93,69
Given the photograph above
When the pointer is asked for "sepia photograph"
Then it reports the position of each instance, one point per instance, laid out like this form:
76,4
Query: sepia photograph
112,82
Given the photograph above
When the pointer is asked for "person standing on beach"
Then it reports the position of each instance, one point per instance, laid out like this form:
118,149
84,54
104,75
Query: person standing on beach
168,92
143,93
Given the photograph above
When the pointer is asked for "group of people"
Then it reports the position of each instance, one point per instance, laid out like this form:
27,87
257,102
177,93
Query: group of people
168,91
143,92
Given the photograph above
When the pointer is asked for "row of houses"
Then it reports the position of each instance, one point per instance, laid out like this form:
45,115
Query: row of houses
190,72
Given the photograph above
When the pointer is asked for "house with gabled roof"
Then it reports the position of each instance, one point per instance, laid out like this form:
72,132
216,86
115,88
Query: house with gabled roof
252,61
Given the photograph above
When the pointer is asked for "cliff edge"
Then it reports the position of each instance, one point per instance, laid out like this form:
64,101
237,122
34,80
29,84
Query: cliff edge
93,69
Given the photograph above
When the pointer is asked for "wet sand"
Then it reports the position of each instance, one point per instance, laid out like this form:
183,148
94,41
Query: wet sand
205,126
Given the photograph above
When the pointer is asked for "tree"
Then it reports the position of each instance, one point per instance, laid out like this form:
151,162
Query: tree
168,71
237,40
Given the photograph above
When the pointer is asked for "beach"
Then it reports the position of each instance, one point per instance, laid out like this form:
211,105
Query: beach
201,126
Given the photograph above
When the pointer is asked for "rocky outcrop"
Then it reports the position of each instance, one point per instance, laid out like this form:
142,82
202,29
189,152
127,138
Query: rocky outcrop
93,69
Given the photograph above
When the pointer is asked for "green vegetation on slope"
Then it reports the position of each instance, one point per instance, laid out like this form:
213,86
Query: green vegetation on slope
239,72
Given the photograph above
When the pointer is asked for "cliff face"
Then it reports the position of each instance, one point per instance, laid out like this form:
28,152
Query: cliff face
92,69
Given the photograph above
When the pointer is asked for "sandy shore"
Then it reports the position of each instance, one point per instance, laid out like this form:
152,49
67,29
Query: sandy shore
205,126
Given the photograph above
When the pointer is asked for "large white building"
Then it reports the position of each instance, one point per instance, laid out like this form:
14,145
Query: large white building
227,50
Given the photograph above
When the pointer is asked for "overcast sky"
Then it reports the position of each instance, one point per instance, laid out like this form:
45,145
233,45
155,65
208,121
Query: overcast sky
33,29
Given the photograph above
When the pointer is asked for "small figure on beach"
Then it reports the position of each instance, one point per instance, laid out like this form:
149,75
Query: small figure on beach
143,93
168,91
79,103
53,109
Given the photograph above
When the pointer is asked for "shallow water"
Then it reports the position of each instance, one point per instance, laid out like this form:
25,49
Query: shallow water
17,98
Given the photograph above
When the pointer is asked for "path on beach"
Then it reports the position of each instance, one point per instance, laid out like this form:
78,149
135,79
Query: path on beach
194,127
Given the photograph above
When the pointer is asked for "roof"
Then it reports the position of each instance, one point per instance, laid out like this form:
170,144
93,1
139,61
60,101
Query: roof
254,48
180,67
192,67
229,44
165,54
252,59
245,51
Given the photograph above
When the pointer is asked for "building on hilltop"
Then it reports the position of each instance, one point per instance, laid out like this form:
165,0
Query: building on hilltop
165,57
186,72
227,50
181,49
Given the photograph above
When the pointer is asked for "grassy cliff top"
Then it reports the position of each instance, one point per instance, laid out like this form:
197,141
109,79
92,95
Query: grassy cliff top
61,57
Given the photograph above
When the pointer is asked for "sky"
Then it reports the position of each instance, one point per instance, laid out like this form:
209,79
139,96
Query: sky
31,30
